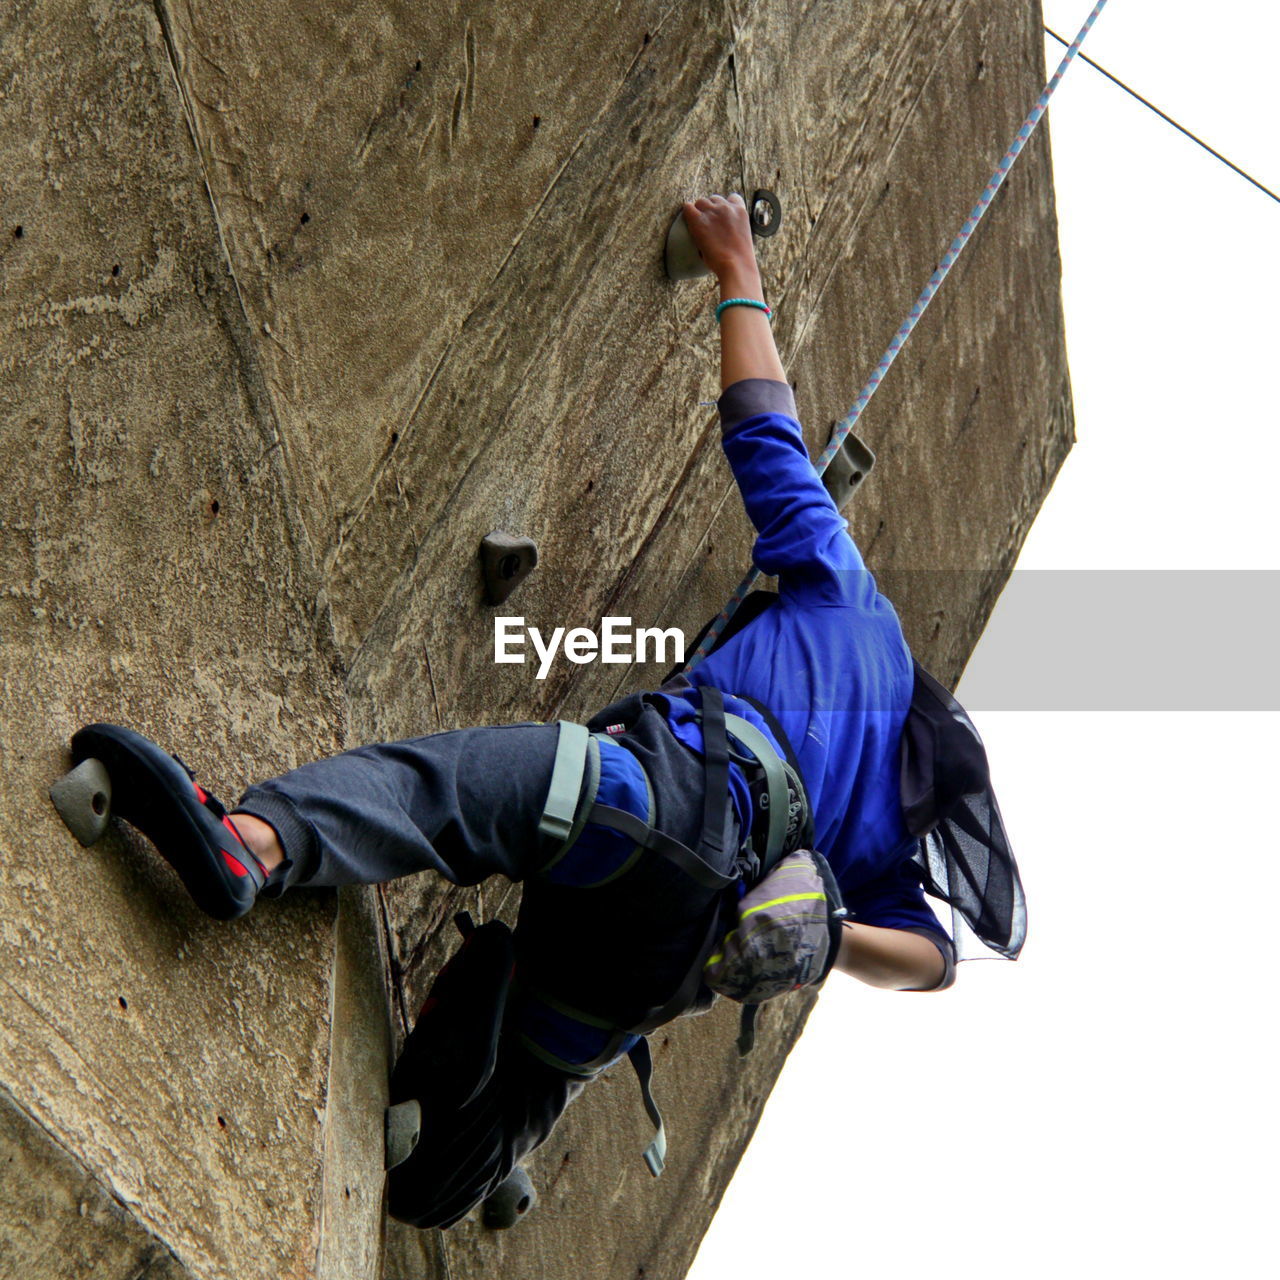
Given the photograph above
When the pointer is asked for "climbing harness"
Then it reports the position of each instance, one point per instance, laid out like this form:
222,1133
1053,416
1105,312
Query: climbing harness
582,1044
918,309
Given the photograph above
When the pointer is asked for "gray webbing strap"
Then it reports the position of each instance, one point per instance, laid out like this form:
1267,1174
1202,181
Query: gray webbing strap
657,842
558,813
591,1067
775,782
655,1154
775,779
593,789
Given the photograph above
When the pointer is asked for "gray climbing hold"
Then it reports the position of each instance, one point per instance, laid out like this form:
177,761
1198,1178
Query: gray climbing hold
512,1200
848,469
403,1126
83,800
507,560
681,257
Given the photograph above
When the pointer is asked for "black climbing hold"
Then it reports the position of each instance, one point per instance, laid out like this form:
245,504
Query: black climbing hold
766,214
848,469
507,560
512,1200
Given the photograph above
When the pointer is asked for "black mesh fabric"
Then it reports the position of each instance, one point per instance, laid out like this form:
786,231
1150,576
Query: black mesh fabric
966,861
947,800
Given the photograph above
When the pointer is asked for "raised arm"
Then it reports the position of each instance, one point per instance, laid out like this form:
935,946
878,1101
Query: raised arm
803,538
721,229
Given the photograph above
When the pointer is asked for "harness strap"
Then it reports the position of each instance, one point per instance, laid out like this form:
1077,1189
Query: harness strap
694,866
807,835
563,819
612,1041
558,813
655,1154
775,780
685,994
577,754
715,749
615,1044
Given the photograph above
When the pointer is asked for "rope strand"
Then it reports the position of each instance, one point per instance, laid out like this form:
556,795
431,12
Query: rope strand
1151,106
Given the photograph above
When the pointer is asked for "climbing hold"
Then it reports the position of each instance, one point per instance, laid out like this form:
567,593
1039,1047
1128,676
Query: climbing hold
681,256
403,1126
847,469
512,1200
766,214
507,560
83,800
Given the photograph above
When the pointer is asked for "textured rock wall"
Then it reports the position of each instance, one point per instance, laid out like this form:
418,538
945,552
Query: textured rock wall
297,302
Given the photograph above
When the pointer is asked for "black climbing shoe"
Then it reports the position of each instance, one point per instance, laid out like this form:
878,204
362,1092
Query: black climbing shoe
157,794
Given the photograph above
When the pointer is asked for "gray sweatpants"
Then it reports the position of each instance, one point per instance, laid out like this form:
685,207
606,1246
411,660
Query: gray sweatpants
466,804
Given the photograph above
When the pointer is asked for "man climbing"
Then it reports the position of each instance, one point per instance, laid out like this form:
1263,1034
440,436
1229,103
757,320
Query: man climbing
642,837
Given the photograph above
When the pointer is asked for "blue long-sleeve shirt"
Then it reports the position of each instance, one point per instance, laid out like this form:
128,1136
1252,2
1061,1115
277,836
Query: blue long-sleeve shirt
829,660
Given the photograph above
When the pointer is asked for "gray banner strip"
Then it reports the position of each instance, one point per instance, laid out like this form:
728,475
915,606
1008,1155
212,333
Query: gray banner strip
1120,640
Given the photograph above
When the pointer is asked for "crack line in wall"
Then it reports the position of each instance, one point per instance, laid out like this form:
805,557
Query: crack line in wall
394,983
250,367
349,525
105,1179
157,1245
737,97
327,1158
802,332
171,52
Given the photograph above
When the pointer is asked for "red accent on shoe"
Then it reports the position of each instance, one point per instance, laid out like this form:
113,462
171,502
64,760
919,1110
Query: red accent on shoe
201,794
231,826
235,866
429,1004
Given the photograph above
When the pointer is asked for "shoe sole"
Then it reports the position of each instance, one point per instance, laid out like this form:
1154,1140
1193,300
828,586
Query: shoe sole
151,791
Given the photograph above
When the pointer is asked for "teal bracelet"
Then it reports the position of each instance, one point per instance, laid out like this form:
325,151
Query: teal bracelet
743,302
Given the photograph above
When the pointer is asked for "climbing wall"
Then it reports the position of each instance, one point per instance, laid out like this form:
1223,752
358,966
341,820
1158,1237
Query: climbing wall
297,303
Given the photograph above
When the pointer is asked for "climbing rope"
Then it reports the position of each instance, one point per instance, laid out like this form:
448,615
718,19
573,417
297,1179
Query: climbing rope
926,296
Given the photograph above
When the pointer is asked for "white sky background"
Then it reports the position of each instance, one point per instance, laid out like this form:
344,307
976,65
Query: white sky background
1107,1106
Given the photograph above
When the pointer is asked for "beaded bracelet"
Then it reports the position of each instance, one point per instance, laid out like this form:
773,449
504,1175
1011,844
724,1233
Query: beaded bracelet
743,302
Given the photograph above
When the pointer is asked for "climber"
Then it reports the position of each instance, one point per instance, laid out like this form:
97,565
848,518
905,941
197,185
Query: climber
796,732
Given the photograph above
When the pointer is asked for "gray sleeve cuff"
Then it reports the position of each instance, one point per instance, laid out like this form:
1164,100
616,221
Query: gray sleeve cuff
296,835
948,952
749,397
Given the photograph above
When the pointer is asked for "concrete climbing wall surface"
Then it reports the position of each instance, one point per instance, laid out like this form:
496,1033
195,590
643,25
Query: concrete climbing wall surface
297,302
